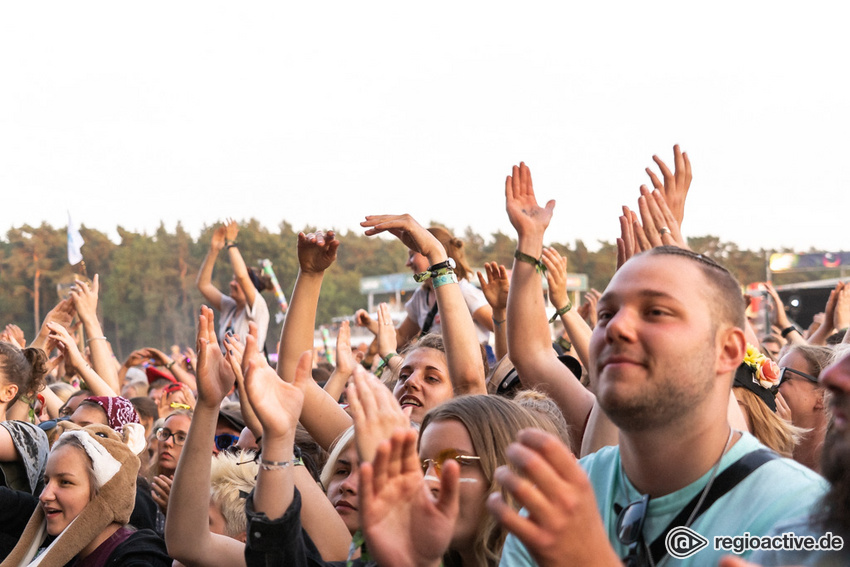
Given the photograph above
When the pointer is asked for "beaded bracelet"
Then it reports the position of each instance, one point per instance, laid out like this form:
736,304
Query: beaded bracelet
95,339
536,262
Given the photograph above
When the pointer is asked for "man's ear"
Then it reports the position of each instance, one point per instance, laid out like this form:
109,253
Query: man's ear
8,393
732,347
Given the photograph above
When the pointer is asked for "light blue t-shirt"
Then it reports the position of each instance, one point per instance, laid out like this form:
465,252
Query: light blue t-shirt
779,490
836,554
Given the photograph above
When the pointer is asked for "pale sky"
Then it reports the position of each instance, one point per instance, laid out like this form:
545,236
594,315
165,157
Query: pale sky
322,112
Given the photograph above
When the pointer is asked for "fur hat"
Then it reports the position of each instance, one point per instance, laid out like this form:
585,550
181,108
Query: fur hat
116,468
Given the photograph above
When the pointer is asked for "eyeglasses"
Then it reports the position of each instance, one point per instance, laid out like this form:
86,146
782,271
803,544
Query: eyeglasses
443,456
225,440
630,531
164,434
785,371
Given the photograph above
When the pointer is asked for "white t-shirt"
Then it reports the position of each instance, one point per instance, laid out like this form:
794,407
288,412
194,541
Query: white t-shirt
238,322
423,299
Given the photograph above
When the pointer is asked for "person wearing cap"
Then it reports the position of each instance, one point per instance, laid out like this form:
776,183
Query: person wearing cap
245,303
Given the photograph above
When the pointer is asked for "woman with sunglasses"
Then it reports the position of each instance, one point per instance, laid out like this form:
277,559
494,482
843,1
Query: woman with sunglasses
798,383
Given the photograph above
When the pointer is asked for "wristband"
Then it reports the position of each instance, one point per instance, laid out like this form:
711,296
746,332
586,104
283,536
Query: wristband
523,257
560,312
228,244
436,270
497,322
95,339
280,465
788,330
169,365
384,364
444,279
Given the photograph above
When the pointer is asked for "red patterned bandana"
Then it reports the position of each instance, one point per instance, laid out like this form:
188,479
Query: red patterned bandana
118,411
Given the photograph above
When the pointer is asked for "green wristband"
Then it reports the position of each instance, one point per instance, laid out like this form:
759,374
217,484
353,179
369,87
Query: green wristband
560,312
537,263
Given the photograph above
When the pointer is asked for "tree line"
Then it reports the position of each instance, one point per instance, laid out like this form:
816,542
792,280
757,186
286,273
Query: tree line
148,295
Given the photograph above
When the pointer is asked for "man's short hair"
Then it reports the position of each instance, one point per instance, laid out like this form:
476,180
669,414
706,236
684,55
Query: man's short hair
725,293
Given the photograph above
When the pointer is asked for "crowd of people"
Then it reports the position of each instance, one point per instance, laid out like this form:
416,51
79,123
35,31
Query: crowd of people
651,425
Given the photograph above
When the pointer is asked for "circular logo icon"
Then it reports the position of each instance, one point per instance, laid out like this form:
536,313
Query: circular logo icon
683,542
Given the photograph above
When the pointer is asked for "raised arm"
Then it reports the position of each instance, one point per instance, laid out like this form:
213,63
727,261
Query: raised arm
463,354
495,288
828,326
63,314
183,376
189,540
321,416
74,357
577,329
789,332
204,281
278,405
85,302
529,339
240,270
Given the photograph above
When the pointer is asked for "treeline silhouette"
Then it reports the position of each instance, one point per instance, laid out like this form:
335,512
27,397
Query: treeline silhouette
148,294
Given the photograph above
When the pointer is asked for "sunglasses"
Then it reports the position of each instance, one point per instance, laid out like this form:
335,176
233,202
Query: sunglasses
630,531
164,434
443,456
786,371
225,440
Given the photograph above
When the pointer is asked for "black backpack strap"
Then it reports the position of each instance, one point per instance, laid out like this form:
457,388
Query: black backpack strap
723,483
429,320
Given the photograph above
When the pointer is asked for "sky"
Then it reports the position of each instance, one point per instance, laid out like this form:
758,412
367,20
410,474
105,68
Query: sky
319,113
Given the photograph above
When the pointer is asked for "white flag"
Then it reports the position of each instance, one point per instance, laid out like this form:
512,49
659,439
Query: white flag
75,242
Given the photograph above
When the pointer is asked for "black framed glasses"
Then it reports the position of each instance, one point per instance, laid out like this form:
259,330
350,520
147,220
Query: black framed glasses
225,440
630,531
786,373
164,434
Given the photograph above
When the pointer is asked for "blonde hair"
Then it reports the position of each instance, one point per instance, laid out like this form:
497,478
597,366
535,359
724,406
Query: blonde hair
492,423
337,447
546,411
767,427
232,478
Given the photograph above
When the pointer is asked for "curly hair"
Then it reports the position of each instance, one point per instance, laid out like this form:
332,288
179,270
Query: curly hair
25,368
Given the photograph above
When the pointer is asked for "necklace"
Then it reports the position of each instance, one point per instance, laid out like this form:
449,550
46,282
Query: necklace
705,490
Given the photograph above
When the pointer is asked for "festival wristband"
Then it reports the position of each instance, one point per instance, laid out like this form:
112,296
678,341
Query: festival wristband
449,278
560,312
537,263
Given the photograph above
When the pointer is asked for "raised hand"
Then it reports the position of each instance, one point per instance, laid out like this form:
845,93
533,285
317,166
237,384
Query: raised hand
841,315
276,403
375,412
676,184
404,526
495,286
563,526
345,361
526,216
316,251
85,298
68,346
161,490
587,309
410,232
556,277
217,239
386,335
62,314
659,224
215,376
231,230
13,334
137,357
